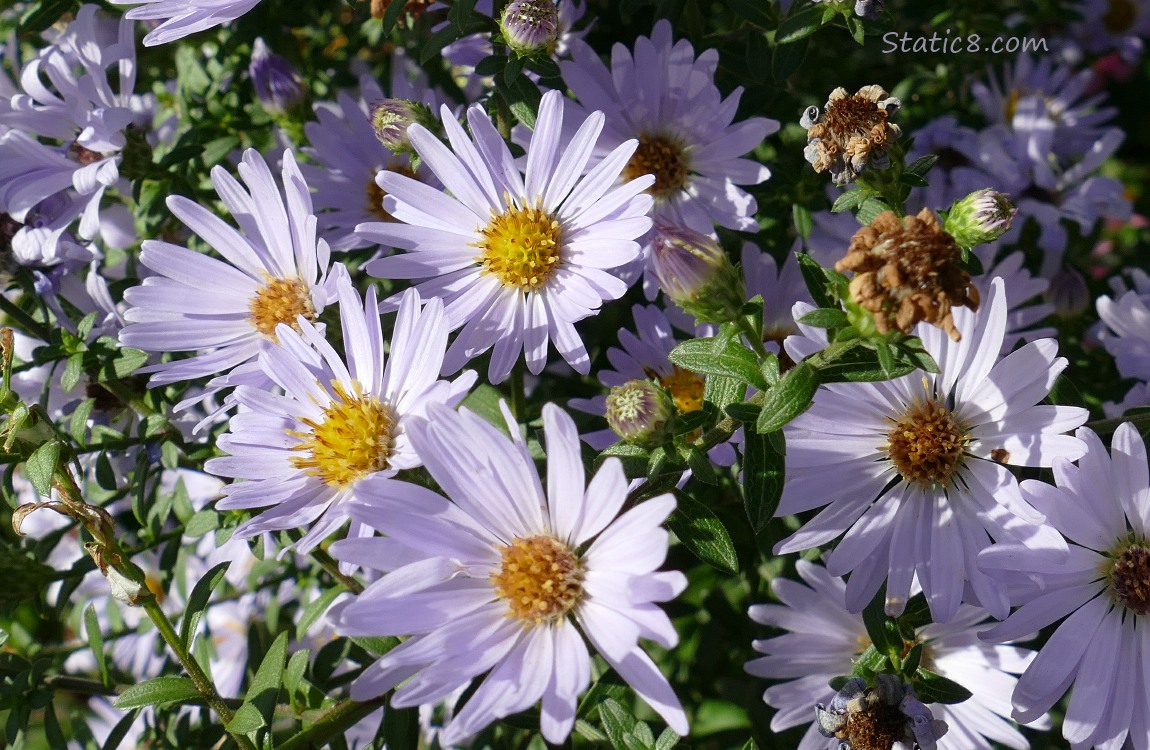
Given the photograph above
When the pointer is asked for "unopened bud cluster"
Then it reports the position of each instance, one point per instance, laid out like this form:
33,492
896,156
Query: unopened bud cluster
390,118
640,412
530,26
695,272
277,82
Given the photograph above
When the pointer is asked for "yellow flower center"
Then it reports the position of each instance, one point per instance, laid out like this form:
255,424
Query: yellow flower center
352,440
540,578
926,444
376,194
1129,576
521,247
280,301
663,156
686,388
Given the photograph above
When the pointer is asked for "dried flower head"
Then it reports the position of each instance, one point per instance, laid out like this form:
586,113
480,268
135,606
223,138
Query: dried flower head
851,133
414,8
908,271
887,716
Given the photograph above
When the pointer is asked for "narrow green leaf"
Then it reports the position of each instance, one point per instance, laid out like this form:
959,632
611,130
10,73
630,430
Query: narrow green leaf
634,458
816,281
870,209
201,523
73,370
857,29
266,683
785,59
315,609
790,398
167,689
40,16
913,180
491,65
401,727
96,642
484,401
744,412
78,422
617,721
215,151
713,356
700,465
391,16
849,200
523,98
763,470
41,466
824,317
855,362
754,11
119,732
667,740
882,630
921,165
296,667
934,688
802,218
247,719
52,731
701,531
127,361
198,602
799,25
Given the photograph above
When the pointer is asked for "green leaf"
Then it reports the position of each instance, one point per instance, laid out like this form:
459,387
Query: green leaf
78,422
440,39
722,392
40,16
716,356
634,458
913,180
198,602
296,667
799,25
858,31
41,466
921,165
701,531
786,59
849,200
484,401
750,745
167,689
126,361
868,663
802,218
266,683
744,412
934,688
824,317
315,609
763,472
491,65
192,81
622,727
201,523
787,400
523,98
667,740
700,465
401,727
246,720
73,370
119,732
96,642
816,281
754,11
391,16
855,362
870,208
52,732
215,151
882,630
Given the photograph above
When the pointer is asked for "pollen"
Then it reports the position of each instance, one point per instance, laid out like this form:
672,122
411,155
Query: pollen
352,440
521,247
663,156
540,578
686,388
280,301
1130,578
926,444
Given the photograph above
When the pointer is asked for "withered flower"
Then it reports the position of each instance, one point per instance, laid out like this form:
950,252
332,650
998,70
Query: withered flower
851,133
907,270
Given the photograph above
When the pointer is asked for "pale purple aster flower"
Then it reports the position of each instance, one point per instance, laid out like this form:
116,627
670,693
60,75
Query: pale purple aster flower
1102,648
348,155
666,98
1121,26
306,452
272,272
1127,333
823,639
925,457
277,82
1021,288
517,259
68,98
462,585
780,289
182,17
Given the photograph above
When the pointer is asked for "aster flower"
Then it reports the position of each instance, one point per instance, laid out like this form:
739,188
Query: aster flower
1127,335
339,421
271,273
822,640
925,457
1099,650
471,594
780,289
517,259
664,96
69,98
851,132
182,17
907,270
348,154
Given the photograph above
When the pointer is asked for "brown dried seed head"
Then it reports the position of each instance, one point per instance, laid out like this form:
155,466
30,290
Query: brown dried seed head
908,270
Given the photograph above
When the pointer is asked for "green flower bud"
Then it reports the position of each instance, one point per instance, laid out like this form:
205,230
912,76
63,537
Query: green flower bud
695,272
981,217
530,26
640,412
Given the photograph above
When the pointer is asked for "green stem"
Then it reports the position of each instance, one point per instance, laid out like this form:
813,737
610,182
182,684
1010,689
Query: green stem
332,724
752,336
518,392
30,324
328,563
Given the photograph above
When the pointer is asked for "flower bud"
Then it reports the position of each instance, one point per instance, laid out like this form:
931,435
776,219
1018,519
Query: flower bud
390,118
640,412
1068,293
981,217
277,83
530,26
695,272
